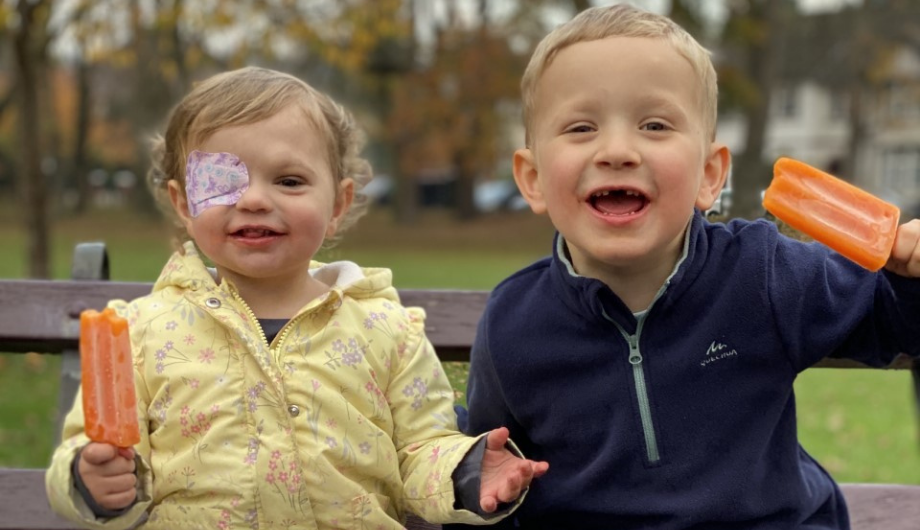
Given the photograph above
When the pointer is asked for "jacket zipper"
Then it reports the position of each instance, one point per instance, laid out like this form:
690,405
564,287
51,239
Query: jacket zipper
252,316
279,340
645,409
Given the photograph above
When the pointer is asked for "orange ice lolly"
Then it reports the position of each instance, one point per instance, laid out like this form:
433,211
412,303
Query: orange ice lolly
107,373
847,219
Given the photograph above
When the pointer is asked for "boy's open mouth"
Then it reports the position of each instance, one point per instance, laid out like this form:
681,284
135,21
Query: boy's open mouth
618,202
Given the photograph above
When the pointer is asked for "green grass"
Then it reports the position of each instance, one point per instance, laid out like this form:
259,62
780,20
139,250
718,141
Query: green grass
28,405
862,425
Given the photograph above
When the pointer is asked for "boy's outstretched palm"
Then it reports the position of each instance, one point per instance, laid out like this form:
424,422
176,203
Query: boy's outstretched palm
504,475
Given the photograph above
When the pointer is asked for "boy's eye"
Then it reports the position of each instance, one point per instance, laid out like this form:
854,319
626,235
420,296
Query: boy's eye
655,126
580,129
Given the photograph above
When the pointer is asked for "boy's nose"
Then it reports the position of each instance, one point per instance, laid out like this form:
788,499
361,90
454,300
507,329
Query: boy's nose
255,198
617,151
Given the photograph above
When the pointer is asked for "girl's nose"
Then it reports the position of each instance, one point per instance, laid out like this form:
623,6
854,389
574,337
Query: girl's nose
255,198
617,150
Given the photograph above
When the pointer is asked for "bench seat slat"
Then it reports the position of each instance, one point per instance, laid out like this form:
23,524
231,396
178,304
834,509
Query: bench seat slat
23,505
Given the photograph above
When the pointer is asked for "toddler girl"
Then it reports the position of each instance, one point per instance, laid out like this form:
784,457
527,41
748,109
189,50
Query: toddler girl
276,392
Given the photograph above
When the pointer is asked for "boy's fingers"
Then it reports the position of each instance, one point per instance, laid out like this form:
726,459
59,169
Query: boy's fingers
488,504
539,468
906,242
497,438
511,489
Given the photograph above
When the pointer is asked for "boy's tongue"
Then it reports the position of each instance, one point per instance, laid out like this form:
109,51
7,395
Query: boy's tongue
618,203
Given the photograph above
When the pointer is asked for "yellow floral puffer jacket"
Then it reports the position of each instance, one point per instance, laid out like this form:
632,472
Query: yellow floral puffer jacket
344,421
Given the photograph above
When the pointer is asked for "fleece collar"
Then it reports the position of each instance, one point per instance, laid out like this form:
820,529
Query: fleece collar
591,298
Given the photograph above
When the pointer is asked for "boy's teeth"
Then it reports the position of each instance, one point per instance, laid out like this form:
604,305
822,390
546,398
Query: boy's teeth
631,193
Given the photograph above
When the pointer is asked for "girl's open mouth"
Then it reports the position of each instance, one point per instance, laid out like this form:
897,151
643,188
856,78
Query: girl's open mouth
254,233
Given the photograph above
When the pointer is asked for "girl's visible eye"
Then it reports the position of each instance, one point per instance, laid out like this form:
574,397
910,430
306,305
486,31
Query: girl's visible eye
655,126
290,182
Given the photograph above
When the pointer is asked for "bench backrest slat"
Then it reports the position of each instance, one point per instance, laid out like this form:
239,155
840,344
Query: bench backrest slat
43,315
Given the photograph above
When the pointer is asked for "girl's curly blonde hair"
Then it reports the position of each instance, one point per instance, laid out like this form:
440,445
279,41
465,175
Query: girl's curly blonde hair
249,95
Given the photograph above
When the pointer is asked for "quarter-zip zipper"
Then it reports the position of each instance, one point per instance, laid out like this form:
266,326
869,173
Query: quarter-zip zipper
645,409
635,354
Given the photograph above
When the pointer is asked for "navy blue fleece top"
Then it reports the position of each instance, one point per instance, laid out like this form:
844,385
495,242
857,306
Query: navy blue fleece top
683,418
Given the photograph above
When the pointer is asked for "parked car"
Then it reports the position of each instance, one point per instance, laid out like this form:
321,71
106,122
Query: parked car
498,195
722,206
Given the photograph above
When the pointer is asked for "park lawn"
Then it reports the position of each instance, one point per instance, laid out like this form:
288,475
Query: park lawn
862,425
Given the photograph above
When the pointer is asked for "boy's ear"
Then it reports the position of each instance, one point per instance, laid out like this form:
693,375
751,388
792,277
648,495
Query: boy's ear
526,178
179,202
714,174
343,199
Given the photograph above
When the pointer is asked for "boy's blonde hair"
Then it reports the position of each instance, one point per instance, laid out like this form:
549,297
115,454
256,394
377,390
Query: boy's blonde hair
621,20
249,95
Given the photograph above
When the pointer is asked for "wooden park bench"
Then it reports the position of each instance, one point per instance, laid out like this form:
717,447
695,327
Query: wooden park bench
43,316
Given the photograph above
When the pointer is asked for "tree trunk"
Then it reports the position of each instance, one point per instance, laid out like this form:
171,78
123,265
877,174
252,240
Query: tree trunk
153,93
32,180
178,49
857,130
78,172
405,199
405,196
466,160
466,183
858,63
751,174
581,5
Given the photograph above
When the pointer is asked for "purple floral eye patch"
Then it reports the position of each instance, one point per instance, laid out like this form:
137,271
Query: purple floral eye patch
213,179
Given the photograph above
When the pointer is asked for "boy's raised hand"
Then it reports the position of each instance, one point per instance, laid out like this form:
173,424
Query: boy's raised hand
905,254
504,475
108,473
